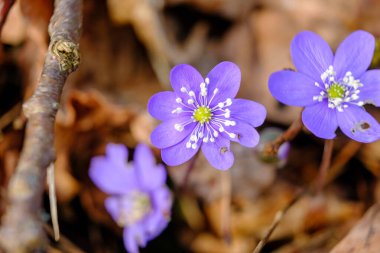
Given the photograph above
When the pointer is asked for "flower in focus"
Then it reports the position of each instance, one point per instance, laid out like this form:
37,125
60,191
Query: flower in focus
139,200
333,89
203,113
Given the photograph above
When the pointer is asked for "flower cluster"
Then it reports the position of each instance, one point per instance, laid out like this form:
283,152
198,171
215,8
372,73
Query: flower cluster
139,200
333,89
203,113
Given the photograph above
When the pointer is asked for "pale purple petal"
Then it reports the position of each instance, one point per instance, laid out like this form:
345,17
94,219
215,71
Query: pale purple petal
133,238
246,135
311,54
162,105
370,92
187,76
354,54
226,78
165,135
112,205
292,88
359,125
117,154
162,198
218,153
249,111
155,223
320,120
150,175
178,154
111,178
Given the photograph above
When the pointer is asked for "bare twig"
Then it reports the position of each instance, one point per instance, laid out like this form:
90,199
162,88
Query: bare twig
5,6
21,229
277,219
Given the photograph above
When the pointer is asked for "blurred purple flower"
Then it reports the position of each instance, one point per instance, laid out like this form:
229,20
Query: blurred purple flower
139,200
203,113
333,89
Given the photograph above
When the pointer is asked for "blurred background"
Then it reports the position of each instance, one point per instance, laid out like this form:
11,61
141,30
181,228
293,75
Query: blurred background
127,50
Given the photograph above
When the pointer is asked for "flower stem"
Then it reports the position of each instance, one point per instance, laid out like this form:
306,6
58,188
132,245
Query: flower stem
188,172
271,148
325,164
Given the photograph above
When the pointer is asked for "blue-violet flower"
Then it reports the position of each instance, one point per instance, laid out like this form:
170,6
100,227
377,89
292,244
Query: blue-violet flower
333,89
203,113
139,200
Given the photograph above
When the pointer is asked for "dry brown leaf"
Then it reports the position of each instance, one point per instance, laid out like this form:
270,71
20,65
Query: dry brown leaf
365,236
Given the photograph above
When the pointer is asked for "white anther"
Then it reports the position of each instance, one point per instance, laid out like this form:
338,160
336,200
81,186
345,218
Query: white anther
200,135
216,90
183,89
178,100
193,137
216,134
207,80
191,93
228,102
360,103
188,144
205,139
316,84
177,110
190,101
212,139
194,146
233,123
178,127
220,105
232,135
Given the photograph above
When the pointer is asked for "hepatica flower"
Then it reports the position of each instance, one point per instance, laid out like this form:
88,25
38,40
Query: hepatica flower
333,89
202,113
139,200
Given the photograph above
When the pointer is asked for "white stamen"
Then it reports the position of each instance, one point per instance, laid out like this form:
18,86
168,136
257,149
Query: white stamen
207,80
178,127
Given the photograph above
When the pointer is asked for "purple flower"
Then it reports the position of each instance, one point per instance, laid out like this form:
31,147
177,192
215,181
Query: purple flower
333,89
202,113
139,200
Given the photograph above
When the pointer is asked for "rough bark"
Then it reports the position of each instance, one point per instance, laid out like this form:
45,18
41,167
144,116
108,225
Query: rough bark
22,228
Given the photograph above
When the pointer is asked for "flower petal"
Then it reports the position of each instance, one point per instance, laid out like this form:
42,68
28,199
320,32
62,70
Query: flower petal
246,135
133,238
165,135
178,154
320,120
218,153
155,223
249,111
111,178
359,125
354,54
370,92
187,76
162,199
117,154
292,88
311,54
226,77
162,104
150,175
113,207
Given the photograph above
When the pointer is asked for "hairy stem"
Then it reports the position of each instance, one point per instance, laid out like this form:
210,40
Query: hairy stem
22,229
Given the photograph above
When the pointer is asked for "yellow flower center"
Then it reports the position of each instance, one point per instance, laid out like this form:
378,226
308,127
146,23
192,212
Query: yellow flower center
336,91
202,114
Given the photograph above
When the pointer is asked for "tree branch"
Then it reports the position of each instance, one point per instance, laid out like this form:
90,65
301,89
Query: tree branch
22,229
